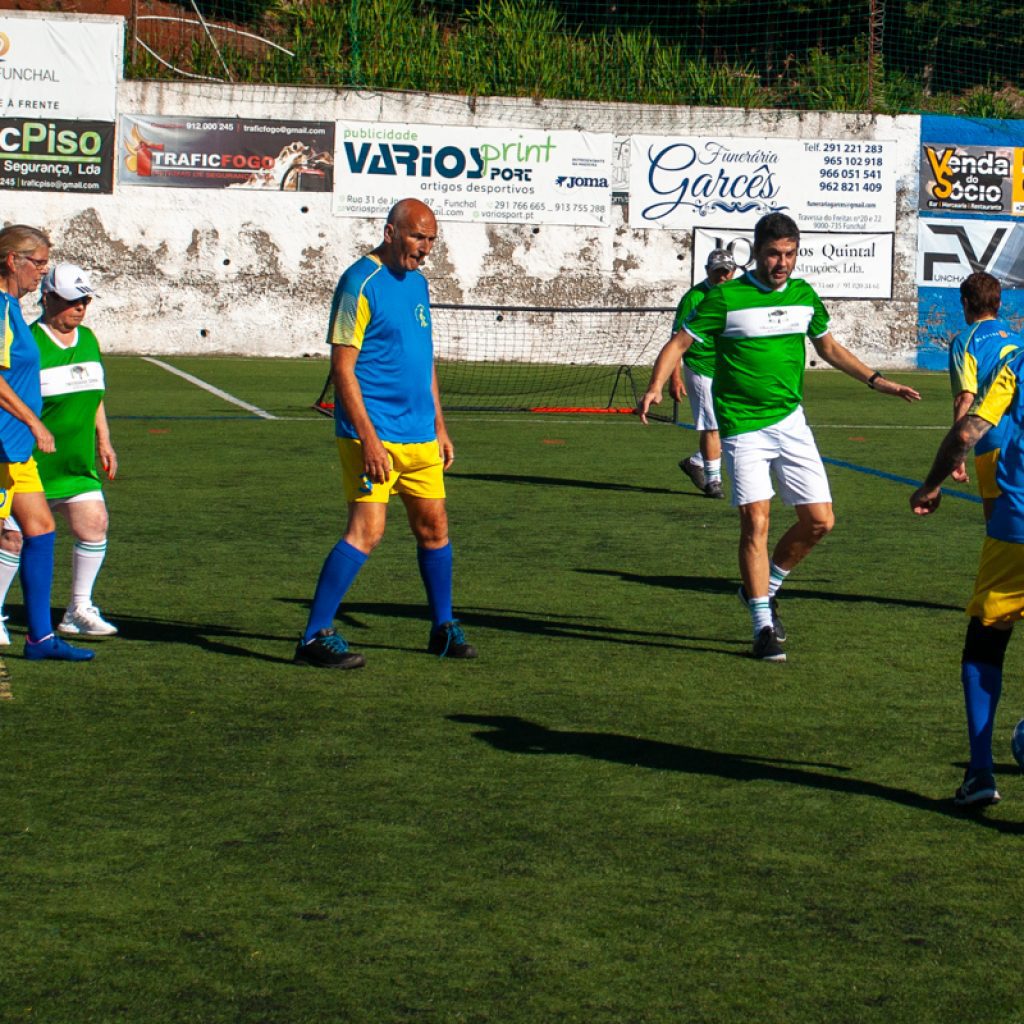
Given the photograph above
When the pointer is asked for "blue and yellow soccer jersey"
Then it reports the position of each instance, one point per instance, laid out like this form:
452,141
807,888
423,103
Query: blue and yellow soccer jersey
1002,404
386,315
974,358
19,364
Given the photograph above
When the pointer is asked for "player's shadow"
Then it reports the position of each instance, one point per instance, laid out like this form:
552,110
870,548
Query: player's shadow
218,639
354,614
707,585
561,481
515,735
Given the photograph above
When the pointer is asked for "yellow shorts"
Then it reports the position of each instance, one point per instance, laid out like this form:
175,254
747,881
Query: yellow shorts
985,473
416,470
22,477
999,587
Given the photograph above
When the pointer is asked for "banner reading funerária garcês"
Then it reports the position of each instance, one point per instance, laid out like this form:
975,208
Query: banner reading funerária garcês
824,184
58,95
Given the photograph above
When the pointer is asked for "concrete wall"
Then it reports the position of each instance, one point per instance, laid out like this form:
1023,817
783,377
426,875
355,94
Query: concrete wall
200,271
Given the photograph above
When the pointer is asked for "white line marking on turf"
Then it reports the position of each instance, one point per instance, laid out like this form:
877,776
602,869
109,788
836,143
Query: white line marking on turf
209,387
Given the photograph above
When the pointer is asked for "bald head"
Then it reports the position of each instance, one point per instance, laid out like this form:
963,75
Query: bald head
409,235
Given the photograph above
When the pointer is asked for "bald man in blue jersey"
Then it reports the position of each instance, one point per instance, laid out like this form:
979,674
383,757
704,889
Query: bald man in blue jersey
390,432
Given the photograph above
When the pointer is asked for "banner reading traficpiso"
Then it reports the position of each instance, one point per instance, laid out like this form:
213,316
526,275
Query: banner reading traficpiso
498,175
823,184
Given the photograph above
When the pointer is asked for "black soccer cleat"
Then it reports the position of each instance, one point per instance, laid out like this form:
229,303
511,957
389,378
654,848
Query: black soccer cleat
327,650
448,641
977,790
767,646
693,471
780,629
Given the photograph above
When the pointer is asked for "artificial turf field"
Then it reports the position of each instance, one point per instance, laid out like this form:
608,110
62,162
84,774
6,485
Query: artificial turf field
613,816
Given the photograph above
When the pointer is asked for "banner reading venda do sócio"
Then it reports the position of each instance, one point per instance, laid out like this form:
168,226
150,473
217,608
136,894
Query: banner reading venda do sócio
512,175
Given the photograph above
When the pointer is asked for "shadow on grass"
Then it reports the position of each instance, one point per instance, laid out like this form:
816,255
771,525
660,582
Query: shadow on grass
709,585
516,735
537,624
561,481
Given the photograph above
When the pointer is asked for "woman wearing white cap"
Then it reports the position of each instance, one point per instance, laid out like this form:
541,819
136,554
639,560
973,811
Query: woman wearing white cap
24,255
72,382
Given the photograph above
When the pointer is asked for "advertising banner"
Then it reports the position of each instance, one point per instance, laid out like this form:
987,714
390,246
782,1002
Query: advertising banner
972,179
838,266
949,249
823,184
57,156
499,175
225,152
61,68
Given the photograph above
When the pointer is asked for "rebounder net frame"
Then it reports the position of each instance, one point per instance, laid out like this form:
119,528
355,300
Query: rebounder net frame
584,359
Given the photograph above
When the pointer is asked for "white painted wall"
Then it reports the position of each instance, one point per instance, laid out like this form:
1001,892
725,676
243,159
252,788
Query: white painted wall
202,271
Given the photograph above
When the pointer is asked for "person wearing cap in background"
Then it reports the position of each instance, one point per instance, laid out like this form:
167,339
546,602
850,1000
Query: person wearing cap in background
72,384
704,467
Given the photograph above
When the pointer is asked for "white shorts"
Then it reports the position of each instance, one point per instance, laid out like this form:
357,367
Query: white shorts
10,523
698,390
785,449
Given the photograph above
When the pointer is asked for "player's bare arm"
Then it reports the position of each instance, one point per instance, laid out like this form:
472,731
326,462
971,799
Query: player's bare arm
962,437
668,360
961,406
843,359
444,442
10,402
376,461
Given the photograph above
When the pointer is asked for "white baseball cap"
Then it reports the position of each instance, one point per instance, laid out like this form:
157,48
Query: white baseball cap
69,281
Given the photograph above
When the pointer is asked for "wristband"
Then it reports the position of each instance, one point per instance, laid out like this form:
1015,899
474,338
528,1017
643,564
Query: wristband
871,380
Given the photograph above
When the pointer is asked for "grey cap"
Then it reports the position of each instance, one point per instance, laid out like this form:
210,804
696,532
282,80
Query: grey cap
720,259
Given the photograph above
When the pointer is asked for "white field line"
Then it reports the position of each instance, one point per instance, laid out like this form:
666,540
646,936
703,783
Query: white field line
210,388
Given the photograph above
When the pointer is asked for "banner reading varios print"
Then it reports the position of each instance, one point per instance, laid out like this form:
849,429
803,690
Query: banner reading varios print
524,176
823,184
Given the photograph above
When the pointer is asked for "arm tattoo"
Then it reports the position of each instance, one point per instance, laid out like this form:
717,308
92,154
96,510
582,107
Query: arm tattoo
955,447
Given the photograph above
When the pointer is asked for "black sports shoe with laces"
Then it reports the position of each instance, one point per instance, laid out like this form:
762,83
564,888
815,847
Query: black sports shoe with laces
767,646
327,650
448,641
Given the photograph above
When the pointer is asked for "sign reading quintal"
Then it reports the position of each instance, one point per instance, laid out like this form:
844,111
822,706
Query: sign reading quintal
823,184
524,176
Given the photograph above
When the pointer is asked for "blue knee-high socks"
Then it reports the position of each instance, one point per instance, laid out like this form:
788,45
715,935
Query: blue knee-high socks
981,672
436,570
37,582
339,571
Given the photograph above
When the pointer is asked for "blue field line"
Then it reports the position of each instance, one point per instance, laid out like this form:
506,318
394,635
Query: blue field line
867,470
962,495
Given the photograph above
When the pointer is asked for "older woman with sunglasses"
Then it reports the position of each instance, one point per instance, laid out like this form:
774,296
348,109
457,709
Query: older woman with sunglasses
24,257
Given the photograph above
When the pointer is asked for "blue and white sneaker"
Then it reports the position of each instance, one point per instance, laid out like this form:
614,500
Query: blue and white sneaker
52,648
977,790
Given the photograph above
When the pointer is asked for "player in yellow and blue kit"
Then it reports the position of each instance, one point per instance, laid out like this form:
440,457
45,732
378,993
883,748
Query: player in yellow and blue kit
998,598
974,358
390,432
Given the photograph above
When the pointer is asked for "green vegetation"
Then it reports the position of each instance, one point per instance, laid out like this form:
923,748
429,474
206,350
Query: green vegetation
612,816
727,53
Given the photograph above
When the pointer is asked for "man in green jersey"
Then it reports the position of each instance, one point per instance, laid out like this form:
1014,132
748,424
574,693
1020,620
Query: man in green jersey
704,467
758,324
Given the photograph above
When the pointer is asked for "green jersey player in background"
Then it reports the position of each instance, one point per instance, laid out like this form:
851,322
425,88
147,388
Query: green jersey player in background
758,323
72,384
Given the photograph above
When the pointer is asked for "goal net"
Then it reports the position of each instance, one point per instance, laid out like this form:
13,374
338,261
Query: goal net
543,359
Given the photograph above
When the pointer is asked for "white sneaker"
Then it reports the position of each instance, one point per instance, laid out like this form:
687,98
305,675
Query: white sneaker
5,637
85,620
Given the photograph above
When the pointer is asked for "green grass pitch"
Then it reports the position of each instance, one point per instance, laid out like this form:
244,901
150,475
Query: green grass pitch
613,816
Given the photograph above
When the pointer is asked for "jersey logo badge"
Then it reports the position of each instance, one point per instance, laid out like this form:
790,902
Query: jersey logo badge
421,315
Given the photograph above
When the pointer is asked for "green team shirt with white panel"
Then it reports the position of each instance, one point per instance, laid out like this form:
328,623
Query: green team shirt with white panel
72,384
758,335
700,356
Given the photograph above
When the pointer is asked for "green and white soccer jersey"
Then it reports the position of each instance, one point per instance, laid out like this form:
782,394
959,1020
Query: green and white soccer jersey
72,385
758,336
700,356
